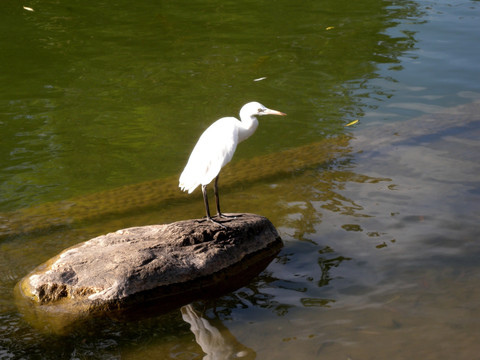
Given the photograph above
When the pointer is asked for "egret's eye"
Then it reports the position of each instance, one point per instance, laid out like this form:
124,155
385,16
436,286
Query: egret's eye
260,110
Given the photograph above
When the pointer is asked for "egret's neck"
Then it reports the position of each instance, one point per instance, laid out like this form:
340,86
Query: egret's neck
248,125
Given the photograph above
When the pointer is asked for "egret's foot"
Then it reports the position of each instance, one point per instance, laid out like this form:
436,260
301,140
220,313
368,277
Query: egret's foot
223,216
216,222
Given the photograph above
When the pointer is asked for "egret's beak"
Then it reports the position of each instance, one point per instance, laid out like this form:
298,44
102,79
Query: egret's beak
273,112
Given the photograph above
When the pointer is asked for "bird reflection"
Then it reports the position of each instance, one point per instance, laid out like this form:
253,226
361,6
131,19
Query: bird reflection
216,344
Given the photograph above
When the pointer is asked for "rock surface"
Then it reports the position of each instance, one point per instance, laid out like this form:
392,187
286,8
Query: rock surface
140,263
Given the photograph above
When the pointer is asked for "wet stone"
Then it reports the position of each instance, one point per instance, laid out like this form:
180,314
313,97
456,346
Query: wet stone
138,264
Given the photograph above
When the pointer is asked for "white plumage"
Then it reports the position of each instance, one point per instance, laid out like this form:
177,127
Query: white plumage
215,149
209,155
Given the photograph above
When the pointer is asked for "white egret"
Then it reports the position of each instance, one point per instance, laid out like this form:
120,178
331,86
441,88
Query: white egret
215,149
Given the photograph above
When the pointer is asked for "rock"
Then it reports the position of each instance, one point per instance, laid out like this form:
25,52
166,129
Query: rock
157,262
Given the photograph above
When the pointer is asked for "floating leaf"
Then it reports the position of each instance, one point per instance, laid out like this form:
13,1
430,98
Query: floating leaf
330,28
352,122
260,79
28,8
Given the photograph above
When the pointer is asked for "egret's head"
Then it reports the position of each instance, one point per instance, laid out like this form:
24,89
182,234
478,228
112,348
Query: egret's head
254,108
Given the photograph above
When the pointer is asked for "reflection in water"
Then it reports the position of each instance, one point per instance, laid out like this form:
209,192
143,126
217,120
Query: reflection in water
323,194
216,341
325,263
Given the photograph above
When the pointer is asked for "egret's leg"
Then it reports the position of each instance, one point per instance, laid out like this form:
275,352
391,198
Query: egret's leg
205,200
207,209
217,200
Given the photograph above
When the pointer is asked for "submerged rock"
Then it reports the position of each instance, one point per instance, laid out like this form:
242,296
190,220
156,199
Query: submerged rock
171,262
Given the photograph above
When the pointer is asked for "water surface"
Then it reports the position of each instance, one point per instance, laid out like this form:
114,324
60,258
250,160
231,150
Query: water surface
381,251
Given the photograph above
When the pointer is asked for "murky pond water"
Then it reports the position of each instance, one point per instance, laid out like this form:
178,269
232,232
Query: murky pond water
102,103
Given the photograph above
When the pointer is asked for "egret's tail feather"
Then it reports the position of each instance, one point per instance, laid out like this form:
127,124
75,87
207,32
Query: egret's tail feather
186,185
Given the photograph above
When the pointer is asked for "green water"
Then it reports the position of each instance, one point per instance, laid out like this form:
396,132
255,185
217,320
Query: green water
381,244
107,94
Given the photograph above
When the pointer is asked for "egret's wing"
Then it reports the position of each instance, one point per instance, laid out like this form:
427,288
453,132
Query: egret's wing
214,149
